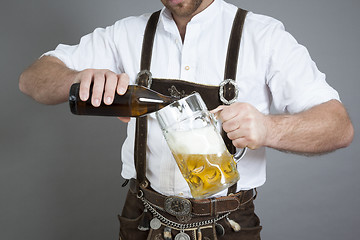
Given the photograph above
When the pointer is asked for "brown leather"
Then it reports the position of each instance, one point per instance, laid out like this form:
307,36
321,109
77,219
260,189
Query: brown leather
141,122
232,189
133,216
231,64
234,45
230,71
150,30
201,207
140,148
170,86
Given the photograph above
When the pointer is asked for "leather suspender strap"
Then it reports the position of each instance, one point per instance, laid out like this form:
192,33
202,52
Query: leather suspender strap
234,44
148,41
229,88
144,79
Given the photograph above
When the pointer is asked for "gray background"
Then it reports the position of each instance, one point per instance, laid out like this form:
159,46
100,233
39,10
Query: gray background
60,174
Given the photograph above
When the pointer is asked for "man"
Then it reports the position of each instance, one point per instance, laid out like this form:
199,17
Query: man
191,43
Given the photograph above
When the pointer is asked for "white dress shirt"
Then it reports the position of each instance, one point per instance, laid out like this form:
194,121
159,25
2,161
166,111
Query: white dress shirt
272,69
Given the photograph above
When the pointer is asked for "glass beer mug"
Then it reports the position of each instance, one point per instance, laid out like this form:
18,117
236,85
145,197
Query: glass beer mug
197,146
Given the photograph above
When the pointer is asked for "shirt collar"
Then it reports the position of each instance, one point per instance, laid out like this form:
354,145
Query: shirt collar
204,16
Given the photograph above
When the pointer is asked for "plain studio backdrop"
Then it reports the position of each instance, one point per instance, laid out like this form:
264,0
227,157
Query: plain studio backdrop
60,173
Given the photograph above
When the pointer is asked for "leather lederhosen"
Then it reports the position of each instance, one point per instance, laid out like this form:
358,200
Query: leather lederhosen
238,206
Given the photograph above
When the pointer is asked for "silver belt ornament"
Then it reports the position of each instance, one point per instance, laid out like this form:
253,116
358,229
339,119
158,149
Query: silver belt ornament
182,208
182,236
155,224
178,207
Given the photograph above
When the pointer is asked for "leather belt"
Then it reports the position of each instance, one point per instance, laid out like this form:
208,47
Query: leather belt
178,206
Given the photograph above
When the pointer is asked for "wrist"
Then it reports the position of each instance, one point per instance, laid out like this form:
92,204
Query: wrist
273,130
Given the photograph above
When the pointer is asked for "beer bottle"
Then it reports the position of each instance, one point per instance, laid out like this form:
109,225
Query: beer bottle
137,101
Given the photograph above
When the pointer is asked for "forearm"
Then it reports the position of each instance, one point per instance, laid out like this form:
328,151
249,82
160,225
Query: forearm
321,129
47,80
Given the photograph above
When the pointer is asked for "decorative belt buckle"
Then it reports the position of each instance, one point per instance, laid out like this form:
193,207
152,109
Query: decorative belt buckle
178,207
221,91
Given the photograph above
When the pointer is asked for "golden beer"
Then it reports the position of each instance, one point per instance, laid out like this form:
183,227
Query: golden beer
192,135
207,174
203,160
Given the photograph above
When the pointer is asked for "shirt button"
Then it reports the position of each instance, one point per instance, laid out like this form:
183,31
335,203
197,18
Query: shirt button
187,68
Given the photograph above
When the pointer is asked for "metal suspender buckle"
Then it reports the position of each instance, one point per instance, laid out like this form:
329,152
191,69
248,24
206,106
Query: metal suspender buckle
225,84
144,78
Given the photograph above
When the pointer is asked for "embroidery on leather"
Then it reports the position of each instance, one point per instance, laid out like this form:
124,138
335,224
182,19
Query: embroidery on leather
174,92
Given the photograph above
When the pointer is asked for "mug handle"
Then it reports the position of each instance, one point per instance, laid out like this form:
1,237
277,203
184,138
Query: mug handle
214,116
239,154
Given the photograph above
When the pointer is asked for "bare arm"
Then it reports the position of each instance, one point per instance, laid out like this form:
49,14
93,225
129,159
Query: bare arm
47,80
321,129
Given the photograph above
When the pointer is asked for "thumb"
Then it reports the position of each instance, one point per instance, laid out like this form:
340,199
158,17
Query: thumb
217,110
124,119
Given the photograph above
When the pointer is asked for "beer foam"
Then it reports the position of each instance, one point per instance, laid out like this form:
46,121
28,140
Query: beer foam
197,141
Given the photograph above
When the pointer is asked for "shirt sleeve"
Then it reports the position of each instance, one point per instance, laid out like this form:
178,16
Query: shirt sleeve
95,50
295,82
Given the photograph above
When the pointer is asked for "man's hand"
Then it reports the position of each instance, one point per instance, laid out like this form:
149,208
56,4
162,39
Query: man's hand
105,83
244,125
48,81
320,129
